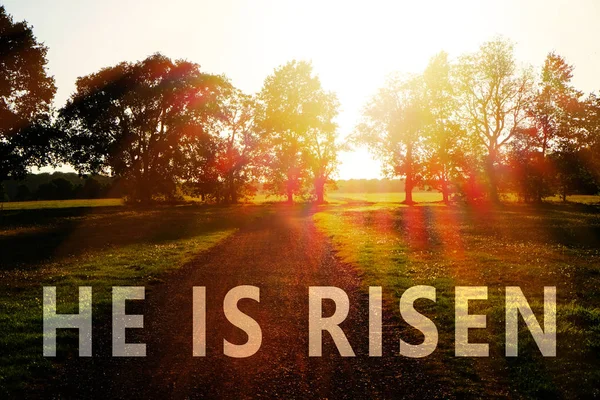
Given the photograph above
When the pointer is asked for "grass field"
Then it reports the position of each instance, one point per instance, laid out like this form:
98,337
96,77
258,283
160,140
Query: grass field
419,197
99,247
333,197
44,204
103,243
513,245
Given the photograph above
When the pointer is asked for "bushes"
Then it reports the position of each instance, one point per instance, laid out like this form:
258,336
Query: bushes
61,186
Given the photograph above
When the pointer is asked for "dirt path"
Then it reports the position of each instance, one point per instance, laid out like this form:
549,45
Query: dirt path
283,255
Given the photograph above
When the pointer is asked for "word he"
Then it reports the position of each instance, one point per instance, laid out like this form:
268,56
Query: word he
516,304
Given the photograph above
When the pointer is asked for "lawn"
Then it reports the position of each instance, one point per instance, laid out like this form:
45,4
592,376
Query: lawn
93,243
44,204
99,247
333,197
420,197
510,245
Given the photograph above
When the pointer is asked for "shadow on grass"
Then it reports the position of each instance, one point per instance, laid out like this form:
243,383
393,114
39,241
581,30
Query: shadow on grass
32,237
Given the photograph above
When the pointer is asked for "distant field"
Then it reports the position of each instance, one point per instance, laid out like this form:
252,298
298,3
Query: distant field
577,199
32,205
424,197
333,197
336,197
433,197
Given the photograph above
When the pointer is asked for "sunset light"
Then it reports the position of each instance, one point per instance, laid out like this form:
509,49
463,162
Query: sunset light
276,199
353,45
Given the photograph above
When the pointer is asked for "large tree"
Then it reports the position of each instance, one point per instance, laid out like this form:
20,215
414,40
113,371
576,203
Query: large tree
296,116
444,137
139,120
223,162
321,144
26,93
240,156
393,127
592,124
557,115
555,106
493,94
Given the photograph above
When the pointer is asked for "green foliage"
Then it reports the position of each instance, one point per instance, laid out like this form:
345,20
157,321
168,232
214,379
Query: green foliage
394,125
478,127
493,97
445,143
296,116
40,187
136,119
26,93
238,150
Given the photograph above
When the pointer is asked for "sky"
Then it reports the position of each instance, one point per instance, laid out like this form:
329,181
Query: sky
353,45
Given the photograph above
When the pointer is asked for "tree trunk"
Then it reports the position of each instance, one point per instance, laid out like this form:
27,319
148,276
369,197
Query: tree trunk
408,189
290,193
320,190
232,190
409,183
290,185
144,190
445,192
492,177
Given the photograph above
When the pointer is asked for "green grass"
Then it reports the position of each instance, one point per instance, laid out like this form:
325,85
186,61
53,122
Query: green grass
420,197
512,245
93,243
576,199
333,197
43,204
101,247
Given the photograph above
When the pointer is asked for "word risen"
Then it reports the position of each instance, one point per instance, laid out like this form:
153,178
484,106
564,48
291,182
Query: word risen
516,304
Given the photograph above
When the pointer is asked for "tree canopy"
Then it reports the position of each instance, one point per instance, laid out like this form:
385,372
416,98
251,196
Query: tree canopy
297,118
481,125
137,120
473,127
26,93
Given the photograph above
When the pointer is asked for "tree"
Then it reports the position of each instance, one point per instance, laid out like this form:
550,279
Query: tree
57,189
555,104
555,110
493,95
91,189
296,116
321,142
573,175
575,159
23,193
238,161
444,137
530,170
136,119
393,126
26,93
592,127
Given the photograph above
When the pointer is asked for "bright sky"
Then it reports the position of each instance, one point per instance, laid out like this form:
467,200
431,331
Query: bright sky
353,44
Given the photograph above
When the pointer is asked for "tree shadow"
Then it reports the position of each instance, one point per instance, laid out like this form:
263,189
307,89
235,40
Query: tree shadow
29,238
